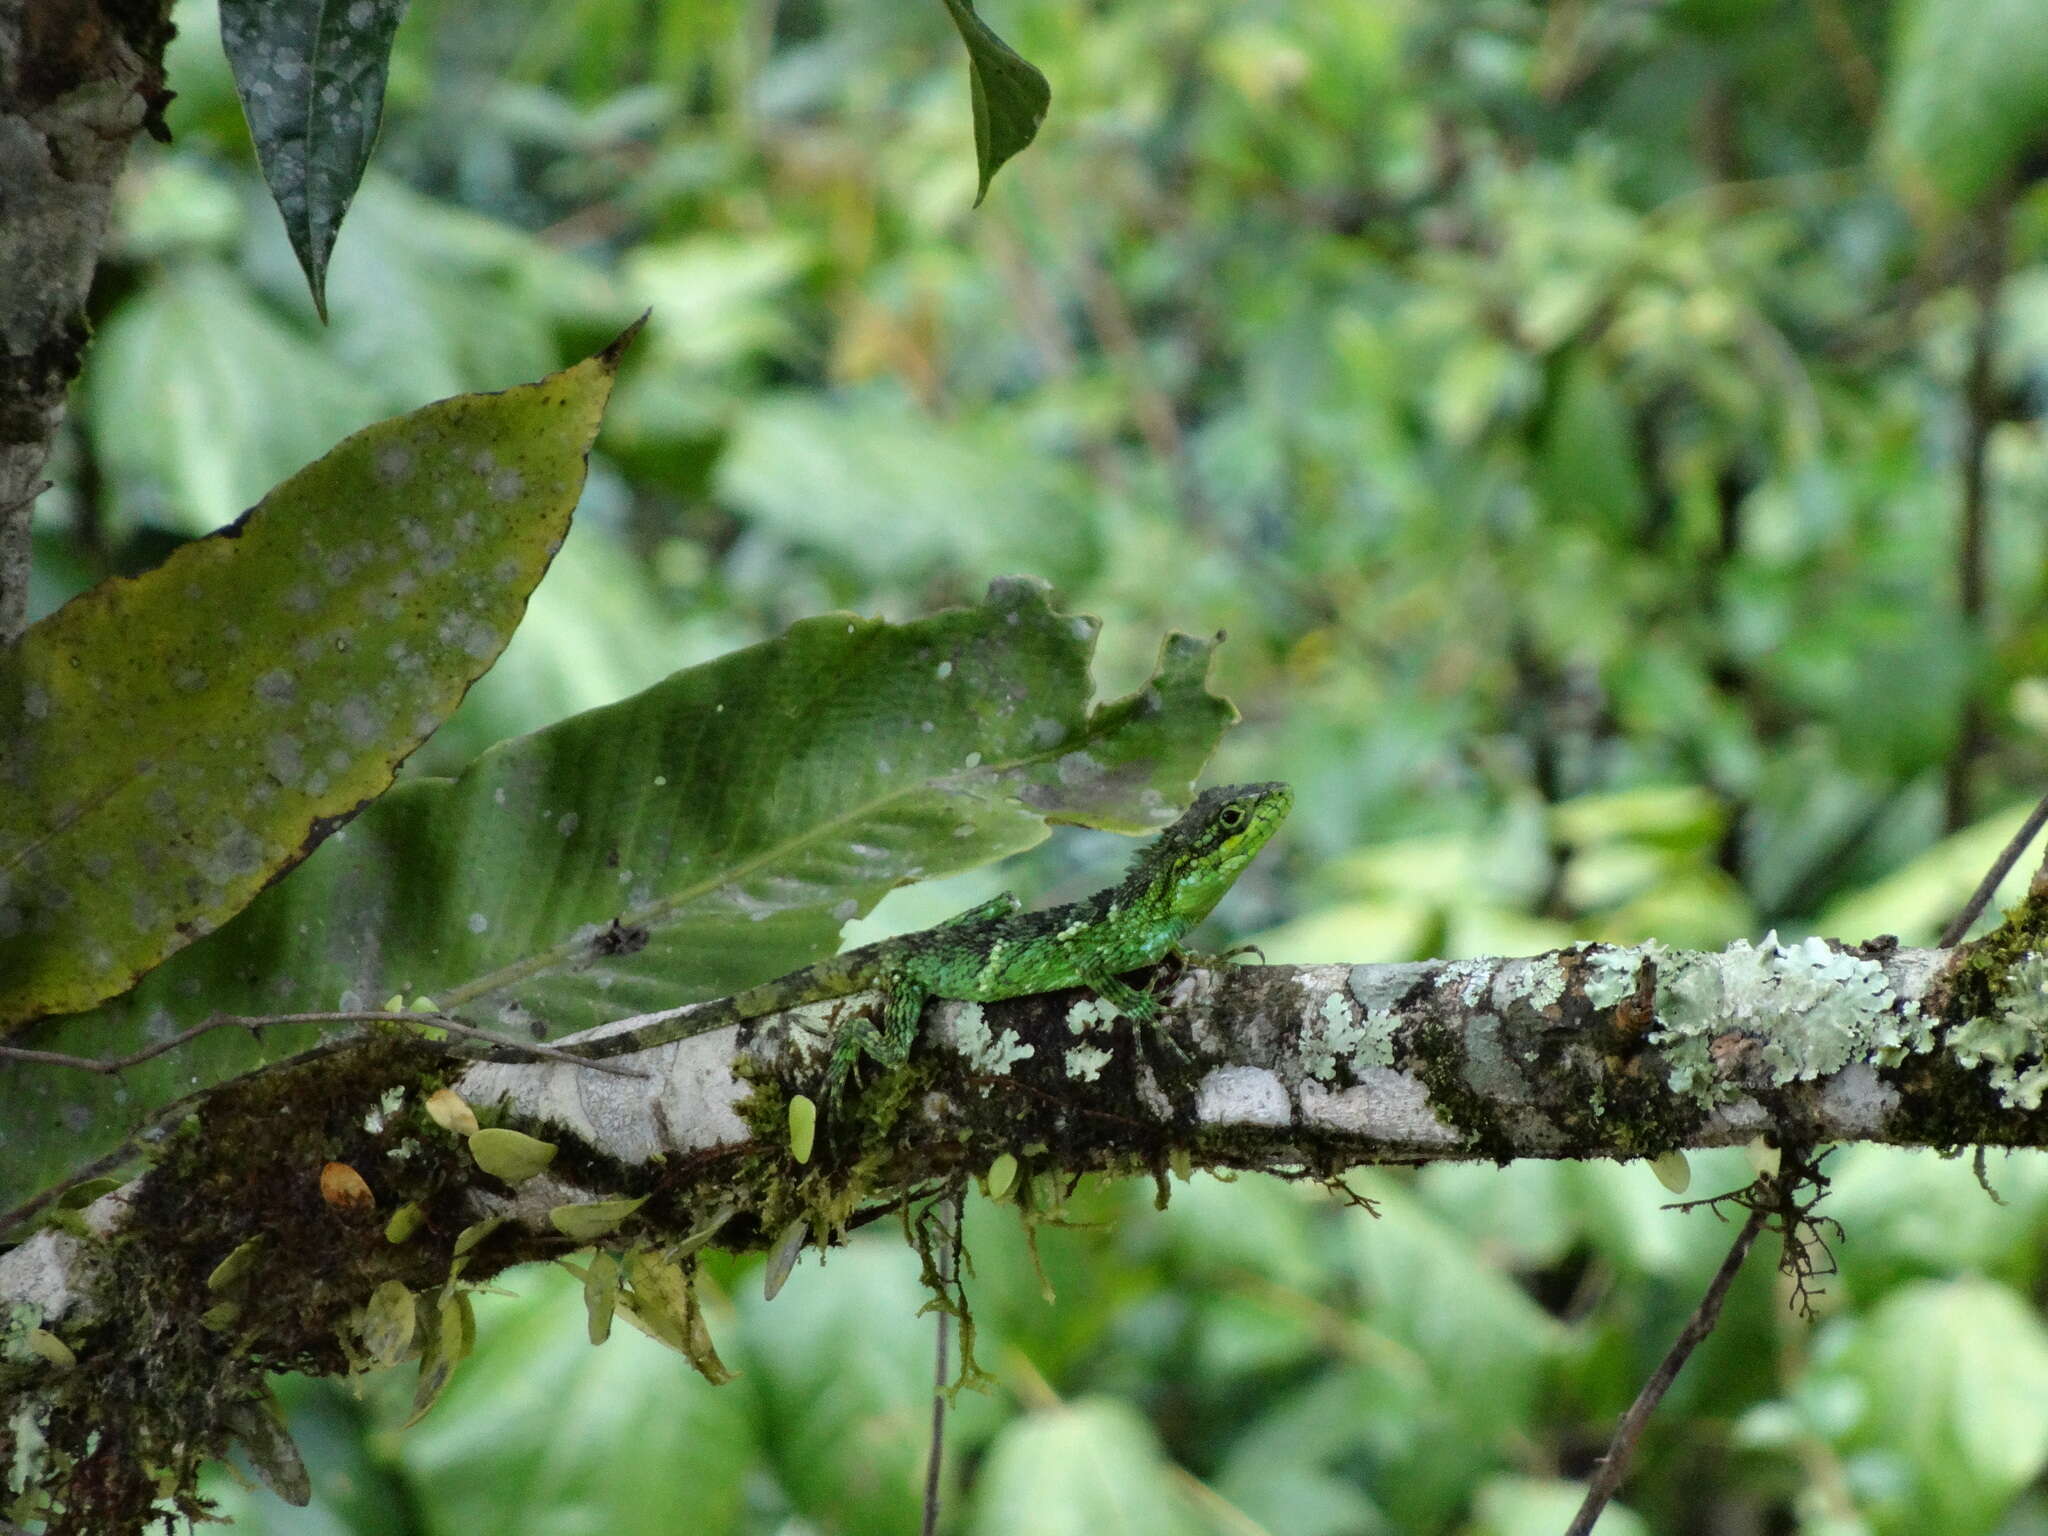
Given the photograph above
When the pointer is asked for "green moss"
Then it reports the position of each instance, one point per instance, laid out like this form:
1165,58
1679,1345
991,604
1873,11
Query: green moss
1977,975
1440,1065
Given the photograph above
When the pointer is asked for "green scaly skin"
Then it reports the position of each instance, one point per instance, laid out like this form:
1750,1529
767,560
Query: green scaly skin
995,951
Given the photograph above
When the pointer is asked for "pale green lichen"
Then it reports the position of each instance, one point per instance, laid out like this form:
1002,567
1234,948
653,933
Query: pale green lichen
1611,973
1085,1062
1470,977
1340,1034
2015,1042
1812,1010
1087,1012
990,1051
1541,980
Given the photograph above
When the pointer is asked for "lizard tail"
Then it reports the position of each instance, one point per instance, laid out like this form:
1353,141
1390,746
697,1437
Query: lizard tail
833,977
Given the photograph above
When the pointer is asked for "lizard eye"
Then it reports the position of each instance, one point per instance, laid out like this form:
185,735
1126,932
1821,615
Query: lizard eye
1232,817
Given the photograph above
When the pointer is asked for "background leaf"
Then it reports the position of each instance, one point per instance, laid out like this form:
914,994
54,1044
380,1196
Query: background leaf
311,77
293,661
1089,1466
1942,1447
202,400
1967,97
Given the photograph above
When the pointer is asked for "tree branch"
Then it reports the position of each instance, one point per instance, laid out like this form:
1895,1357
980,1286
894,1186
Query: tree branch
1594,1051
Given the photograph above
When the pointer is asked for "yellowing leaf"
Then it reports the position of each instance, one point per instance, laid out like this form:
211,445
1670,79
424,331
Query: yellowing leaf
345,1189
51,1348
389,1322
404,1222
1673,1171
234,1270
1002,1173
148,791
451,1112
601,1295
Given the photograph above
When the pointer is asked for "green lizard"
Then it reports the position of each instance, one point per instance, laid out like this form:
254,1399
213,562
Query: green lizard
995,950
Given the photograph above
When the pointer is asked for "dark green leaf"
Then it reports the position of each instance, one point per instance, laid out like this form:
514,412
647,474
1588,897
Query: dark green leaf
311,77
1010,95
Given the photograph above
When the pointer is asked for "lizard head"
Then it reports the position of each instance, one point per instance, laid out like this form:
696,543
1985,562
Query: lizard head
1197,858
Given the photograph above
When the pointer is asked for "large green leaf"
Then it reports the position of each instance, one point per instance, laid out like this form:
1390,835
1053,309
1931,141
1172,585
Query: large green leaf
540,1433
537,1434
176,741
311,77
728,821
1966,97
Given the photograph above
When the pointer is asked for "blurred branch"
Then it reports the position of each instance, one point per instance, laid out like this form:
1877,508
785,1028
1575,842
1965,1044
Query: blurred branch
1859,77
1980,414
1786,1199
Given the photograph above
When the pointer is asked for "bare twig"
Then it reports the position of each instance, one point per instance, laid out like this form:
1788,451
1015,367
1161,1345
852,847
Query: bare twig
1994,876
1614,1465
255,1022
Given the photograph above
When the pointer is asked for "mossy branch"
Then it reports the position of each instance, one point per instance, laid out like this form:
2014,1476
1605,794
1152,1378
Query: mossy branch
383,1173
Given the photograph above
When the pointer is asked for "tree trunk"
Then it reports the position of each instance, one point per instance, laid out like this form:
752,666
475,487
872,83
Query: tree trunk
77,79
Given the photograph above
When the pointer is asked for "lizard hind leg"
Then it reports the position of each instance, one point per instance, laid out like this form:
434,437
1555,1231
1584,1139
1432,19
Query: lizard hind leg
1139,1006
902,1007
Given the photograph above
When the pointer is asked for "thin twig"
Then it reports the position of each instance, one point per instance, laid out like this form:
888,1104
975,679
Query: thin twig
1614,1465
1994,877
949,1266
254,1022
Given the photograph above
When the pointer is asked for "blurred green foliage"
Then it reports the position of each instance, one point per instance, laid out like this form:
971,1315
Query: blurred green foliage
1563,408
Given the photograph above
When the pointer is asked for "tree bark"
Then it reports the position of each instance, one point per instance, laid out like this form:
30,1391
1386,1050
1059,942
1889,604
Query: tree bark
77,79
